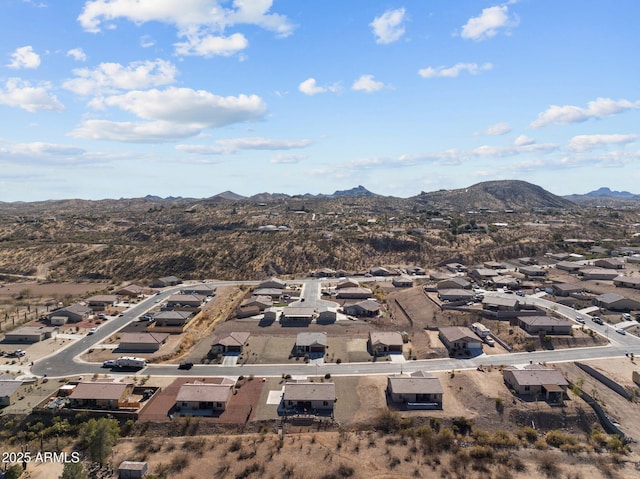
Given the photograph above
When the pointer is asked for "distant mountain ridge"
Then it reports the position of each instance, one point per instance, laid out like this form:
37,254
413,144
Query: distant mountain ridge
607,192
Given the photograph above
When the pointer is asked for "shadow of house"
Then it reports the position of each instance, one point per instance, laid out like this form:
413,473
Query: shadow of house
269,317
415,391
536,382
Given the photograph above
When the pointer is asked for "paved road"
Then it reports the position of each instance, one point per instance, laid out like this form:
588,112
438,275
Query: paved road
65,362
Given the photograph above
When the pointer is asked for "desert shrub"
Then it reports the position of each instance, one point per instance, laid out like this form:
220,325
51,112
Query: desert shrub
462,425
556,438
387,421
548,465
616,444
481,452
235,445
527,433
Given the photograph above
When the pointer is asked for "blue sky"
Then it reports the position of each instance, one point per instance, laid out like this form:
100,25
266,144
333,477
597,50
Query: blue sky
124,98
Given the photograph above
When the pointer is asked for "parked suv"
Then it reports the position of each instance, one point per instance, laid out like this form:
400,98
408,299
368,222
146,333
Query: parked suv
597,320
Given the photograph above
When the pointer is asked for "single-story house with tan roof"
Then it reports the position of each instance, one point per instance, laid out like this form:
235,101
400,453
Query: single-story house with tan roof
198,289
273,283
142,342
385,342
453,283
100,395
101,302
9,391
311,343
347,283
456,295
233,342
496,303
460,341
166,281
616,302
132,470
262,302
415,391
369,308
533,271
627,282
203,398
308,398
609,263
74,314
566,289
273,293
295,313
598,273
131,291
354,293
30,334
545,324
402,281
537,381
171,318
569,266
185,300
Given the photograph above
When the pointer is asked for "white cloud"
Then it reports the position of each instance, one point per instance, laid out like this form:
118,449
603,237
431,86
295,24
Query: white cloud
20,94
599,108
174,113
24,57
112,77
40,149
201,21
146,41
389,27
310,87
498,129
454,71
140,132
590,142
77,54
487,24
212,45
367,84
284,159
523,140
233,145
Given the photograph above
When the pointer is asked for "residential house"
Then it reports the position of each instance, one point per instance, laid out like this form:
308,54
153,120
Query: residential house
483,274
598,274
494,265
415,391
171,318
569,266
73,314
101,395
368,308
495,303
30,334
293,313
9,391
557,256
402,281
262,302
229,343
460,341
616,302
456,267
537,382
609,263
101,302
166,281
185,301
347,283
354,293
311,343
327,314
203,399
453,283
456,295
528,261
142,342
132,470
566,289
273,293
385,342
308,398
131,291
199,289
247,311
415,270
507,281
325,273
545,325
533,271
627,282
380,271
273,283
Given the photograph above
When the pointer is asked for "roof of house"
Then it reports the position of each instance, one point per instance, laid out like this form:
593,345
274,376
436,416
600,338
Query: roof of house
567,287
627,280
132,466
370,305
235,338
389,338
357,291
75,308
458,333
600,271
498,301
204,392
346,282
29,330
311,339
99,390
538,377
308,391
103,298
267,292
281,283
132,288
544,321
144,338
461,282
8,387
185,298
199,288
414,385
609,298
297,312
485,272
172,315
568,265
170,279
464,293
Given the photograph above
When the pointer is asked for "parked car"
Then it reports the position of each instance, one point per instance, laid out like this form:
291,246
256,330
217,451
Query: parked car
92,331
580,319
18,353
187,365
626,316
597,320
621,331
109,363
520,293
489,341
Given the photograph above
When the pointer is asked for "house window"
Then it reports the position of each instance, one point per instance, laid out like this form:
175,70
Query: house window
526,388
325,403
